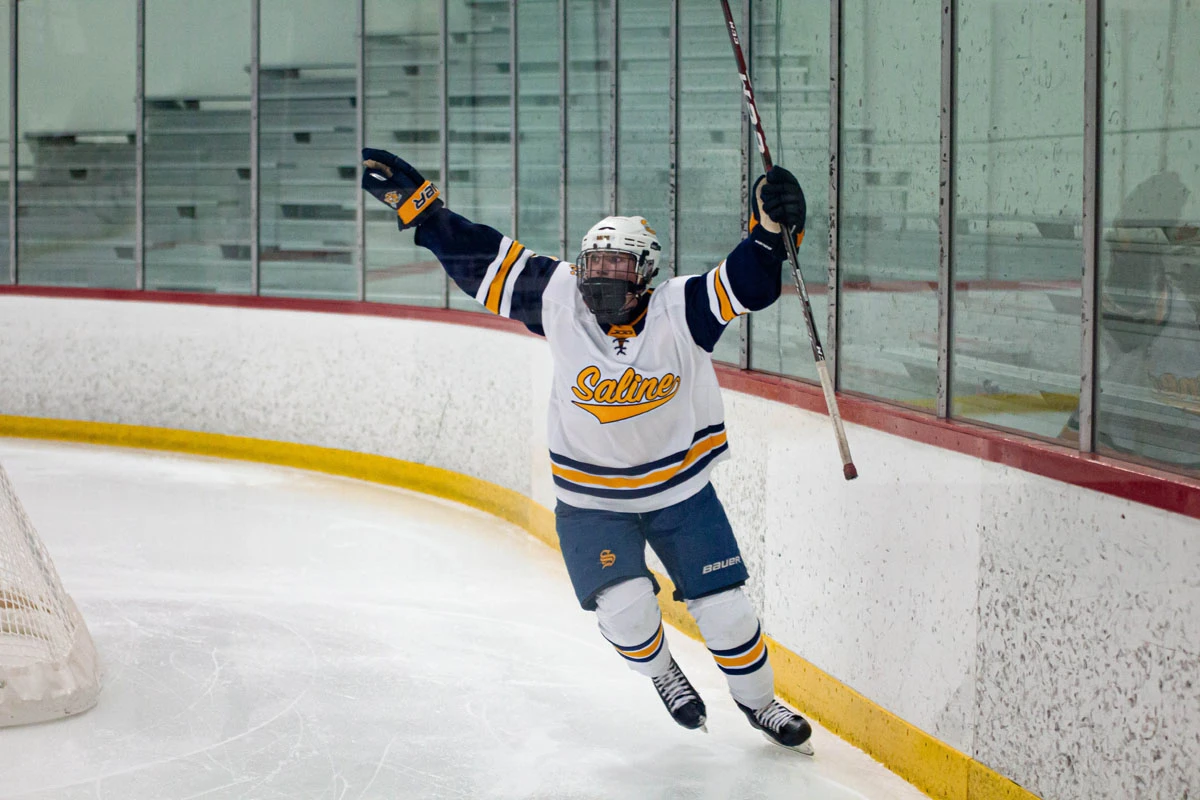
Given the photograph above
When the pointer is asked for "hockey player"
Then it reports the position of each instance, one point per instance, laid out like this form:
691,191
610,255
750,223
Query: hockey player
636,422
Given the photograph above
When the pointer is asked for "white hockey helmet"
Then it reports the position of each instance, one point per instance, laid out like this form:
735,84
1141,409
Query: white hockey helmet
617,261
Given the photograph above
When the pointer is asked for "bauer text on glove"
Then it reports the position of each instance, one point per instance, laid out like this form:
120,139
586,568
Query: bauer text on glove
396,184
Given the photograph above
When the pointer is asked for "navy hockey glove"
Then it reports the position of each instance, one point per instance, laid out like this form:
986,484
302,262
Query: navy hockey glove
778,200
395,183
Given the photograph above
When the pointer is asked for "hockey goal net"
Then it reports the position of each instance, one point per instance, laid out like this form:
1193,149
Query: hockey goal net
48,666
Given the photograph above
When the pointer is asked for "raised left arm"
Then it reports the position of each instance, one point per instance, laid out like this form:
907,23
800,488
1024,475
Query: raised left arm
749,279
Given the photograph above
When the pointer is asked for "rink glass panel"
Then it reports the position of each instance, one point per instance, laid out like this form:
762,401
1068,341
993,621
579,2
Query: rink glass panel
790,66
76,159
1148,346
308,166
197,146
888,225
480,109
5,123
539,143
1018,250
710,150
589,117
402,84
643,122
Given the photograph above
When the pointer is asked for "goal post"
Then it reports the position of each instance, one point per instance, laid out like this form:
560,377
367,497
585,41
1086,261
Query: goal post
48,664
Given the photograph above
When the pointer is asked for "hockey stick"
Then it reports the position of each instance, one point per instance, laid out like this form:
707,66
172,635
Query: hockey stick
789,242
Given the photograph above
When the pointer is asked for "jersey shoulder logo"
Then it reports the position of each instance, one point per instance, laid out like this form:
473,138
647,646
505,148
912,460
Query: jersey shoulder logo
630,395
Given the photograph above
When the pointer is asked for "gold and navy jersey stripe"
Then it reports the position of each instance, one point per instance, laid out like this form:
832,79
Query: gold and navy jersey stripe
722,302
645,651
745,658
496,288
642,480
505,277
748,280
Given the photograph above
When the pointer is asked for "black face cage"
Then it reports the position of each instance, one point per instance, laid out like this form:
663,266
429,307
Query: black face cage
635,274
607,295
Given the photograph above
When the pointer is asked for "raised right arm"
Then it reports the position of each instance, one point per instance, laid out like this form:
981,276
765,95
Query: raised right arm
502,274
505,277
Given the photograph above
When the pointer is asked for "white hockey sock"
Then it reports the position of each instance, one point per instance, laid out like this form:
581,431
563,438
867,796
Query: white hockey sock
630,620
732,633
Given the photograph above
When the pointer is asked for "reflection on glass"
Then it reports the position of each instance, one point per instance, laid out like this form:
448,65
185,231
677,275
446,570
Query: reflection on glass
889,199
791,83
403,115
480,138
643,152
308,165
1018,213
540,140
589,117
710,150
76,144
197,146
1149,316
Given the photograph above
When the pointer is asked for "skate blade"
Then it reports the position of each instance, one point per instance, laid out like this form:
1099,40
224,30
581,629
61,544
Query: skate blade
804,748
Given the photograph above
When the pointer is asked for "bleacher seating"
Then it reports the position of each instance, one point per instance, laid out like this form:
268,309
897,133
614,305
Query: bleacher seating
76,202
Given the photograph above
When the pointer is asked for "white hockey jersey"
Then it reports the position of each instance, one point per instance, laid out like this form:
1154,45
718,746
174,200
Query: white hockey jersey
635,427
636,420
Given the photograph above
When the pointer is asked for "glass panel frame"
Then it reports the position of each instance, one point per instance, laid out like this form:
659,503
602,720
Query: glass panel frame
643,122
1148,312
403,114
539,135
76,157
308,167
197,147
7,263
1017,246
589,118
711,164
479,71
790,68
888,221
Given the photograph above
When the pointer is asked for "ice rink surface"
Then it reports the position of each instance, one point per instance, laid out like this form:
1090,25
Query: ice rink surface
272,633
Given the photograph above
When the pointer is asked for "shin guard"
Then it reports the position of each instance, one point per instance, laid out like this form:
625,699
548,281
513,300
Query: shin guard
734,637
630,620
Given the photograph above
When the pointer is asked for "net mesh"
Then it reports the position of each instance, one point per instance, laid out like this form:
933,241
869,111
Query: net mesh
34,622
47,660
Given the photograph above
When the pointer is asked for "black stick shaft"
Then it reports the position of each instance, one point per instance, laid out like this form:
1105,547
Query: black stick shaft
789,242
747,88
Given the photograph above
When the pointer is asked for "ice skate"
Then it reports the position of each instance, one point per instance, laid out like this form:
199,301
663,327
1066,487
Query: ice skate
681,698
781,726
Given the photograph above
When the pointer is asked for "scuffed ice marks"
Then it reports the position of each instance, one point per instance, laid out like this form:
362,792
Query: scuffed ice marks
315,637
